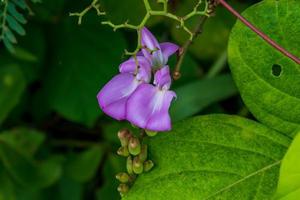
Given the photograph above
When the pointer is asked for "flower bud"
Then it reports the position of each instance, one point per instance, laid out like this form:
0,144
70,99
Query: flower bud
123,189
122,177
137,166
129,165
144,153
124,135
151,133
134,146
148,165
123,151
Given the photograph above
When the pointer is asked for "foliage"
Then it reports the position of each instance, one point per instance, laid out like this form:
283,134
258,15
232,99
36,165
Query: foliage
271,75
213,157
289,180
56,144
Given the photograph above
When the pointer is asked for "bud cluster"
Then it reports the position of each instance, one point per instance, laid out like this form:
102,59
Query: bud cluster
137,163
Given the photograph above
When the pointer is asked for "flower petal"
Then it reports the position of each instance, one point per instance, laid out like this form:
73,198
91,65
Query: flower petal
162,78
168,49
149,42
148,108
144,69
113,96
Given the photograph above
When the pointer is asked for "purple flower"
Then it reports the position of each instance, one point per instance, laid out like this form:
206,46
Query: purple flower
114,95
148,106
157,53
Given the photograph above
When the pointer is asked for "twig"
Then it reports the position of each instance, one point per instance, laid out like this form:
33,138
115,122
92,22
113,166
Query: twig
183,50
164,13
94,5
259,33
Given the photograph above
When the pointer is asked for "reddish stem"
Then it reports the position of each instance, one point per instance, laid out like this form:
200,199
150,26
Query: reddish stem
258,32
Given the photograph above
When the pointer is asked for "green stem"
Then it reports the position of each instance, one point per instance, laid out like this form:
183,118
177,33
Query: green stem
218,65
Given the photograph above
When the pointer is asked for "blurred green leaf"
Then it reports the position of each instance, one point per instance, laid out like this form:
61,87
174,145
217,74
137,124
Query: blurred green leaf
12,85
209,91
113,165
23,140
289,180
27,172
11,8
15,25
213,157
269,81
86,57
6,186
83,166
117,14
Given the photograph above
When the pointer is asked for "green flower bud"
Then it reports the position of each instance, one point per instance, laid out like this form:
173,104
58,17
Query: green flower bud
129,165
123,189
151,133
124,135
137,166
144,153
123,151
134,146
148,165
122,177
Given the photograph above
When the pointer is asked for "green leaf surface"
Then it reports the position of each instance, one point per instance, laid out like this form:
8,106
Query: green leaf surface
83,166
210,91
86,57
213,157
289,180
268,81
12,85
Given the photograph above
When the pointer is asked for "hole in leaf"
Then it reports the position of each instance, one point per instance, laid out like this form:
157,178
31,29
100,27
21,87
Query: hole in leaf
276,70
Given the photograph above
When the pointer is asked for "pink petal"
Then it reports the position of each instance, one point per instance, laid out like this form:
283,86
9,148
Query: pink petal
144,69
150,42
113,96
148,108
168,49
162,78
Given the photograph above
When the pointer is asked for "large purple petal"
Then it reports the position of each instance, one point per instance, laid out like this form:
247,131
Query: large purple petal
150,43
143,71
162,78
113,96
148,108
168,49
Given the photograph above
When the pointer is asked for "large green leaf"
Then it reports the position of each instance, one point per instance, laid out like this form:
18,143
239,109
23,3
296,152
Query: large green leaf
213,157
86,57
268,81
211,90
12,85
289,180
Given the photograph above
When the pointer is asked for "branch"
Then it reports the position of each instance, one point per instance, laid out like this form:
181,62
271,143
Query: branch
260,33
94,5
